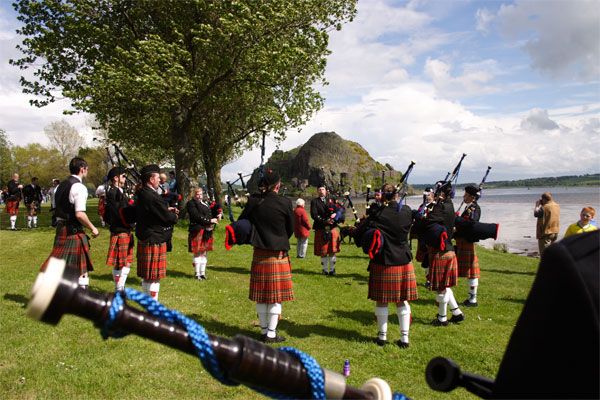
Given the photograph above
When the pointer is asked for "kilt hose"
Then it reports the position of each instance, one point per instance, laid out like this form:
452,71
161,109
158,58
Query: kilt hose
323,248
271,277
120,250
468,263
151,260
392,283
12,207
443,269
197,244
73,248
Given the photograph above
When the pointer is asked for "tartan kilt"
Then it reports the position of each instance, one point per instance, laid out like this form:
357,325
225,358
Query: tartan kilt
271,277
12,207
392,283
323,248
197,244
33,208
443,269
468,263
120,250
151,260
74,249
101,206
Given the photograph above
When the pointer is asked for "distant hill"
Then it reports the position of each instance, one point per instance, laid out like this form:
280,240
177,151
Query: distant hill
569,180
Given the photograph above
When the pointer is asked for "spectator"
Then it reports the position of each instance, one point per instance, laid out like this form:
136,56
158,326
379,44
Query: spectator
547,212
301,228
584,224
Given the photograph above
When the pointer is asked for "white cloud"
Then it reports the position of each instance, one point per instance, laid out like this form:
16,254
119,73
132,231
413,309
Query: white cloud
562,37
538,120
475,79
483,19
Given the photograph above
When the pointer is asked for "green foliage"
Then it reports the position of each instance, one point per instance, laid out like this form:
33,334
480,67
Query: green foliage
330,319
6,159
98,164
569,180
41,162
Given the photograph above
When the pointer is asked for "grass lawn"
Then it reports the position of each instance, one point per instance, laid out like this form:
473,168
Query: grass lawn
331,319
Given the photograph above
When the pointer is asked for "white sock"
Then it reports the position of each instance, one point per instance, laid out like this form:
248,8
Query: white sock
203,262
332,261
35,220
116,273
442,306
273,311
123,278
473,284
324,262
404,320
29,218
382,321
154,288
452,302
261,311
13,221
196,262
84,280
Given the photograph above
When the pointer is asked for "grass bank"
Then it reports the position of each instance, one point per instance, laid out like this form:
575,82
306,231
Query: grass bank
331,319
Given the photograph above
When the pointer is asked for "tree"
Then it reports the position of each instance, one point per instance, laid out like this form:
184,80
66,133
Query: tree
193,78
6,159
98,163
64,138
39,161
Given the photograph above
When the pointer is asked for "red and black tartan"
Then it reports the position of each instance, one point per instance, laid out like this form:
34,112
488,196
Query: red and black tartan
120,250
12,207
74,249
323,248
151,260
197,244
468,262
443,269
32,208
392,283
101,206
271,277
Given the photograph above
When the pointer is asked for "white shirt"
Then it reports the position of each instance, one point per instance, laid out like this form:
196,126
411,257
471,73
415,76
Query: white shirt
78,195
100,190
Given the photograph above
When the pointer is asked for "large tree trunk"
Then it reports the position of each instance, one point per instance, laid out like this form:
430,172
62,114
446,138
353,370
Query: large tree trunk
212,166
183,152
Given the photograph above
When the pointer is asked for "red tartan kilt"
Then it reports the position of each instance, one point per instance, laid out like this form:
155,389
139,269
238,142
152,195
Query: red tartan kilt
392,283
323,248
271,277
12,207
101,206
468,263
443,269
32,208
151,260
196,244
74,249
421,251
120,250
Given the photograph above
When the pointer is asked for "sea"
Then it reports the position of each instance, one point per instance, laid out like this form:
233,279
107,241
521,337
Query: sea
512,208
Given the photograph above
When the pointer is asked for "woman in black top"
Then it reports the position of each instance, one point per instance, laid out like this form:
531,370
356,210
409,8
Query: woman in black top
200,236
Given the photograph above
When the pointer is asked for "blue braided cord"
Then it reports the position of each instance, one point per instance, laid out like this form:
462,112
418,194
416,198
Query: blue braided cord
313,370
115,307
399,396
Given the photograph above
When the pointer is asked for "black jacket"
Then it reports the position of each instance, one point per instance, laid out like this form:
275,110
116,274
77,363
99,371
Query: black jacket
115,201
320,211
14,193
273,219
154,220
443,214
200,215
394,224
32,193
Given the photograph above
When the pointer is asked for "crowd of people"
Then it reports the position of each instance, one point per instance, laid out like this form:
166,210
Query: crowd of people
444,249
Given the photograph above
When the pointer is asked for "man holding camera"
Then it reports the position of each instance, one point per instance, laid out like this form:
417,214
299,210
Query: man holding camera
547,212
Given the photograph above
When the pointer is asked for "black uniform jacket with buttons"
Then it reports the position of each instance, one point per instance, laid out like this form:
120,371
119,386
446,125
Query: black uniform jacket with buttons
320,212
154,220
199,213
273,219
394,224
115,201
443,214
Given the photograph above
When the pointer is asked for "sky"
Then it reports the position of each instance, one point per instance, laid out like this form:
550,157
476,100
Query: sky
513,84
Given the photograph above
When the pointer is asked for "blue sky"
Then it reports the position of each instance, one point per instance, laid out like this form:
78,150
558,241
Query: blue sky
514,84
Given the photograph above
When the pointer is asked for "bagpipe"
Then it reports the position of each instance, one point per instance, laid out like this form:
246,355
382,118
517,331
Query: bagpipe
474,231
402,186
275,372
232,194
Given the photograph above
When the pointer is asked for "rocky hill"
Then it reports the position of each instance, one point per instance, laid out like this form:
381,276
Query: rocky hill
327,158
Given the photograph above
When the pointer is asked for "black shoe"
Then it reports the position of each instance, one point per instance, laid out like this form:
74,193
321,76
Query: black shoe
427,284
469,303
380,342
403,345
457,318
276,339
332,272
202,277
437,322
325,273
198,277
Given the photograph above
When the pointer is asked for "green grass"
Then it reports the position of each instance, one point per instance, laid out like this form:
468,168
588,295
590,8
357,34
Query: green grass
331,319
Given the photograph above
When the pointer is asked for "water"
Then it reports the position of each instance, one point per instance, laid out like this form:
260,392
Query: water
513,210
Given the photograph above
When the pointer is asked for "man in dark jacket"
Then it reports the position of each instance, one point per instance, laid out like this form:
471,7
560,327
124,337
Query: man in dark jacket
153,230
327,238
271,274
13,199
32,197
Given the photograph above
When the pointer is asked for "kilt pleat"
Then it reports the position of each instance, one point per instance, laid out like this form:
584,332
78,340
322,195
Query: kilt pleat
468,262
151,260
271,277
74,249
197,244
12,207
443,268
323,248
392,283
120,250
